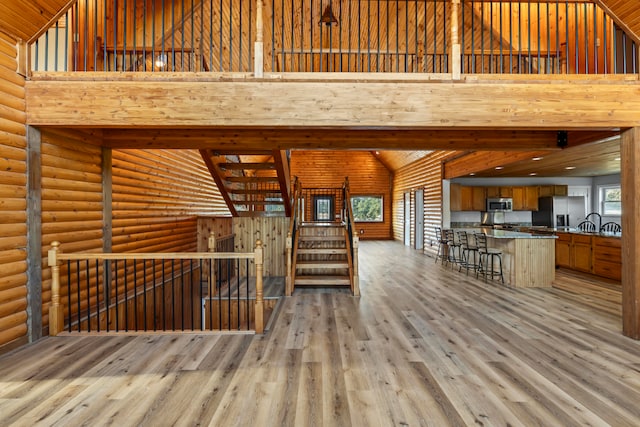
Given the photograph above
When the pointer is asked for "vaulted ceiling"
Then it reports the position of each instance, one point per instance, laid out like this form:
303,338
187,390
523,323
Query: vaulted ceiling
25,19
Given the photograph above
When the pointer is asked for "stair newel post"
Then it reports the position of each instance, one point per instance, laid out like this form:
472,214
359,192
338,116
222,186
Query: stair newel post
259,306
455,43
258,64
56,310
356,277
288,291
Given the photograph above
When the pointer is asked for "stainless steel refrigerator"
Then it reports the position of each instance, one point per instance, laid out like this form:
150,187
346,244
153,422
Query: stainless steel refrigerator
559,211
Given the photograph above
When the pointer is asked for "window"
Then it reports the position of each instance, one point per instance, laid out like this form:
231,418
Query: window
323,208
367,208
610,198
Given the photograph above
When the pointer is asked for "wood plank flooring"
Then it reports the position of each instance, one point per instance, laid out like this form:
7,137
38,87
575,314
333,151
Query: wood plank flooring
422,346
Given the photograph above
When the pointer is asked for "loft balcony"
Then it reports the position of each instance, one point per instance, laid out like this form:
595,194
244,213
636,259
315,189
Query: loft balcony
344,36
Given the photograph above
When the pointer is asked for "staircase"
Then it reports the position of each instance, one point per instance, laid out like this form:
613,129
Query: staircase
322,256
252,183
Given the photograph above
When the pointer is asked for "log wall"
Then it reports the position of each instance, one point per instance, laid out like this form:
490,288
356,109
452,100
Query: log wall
367,176
157,197
72,208
425,173
13,179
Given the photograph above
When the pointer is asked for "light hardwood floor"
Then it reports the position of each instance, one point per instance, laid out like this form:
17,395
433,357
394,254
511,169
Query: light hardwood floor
423,345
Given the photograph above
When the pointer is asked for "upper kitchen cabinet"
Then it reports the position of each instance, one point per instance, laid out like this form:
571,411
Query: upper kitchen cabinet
525,198
553,190
499,191
467,198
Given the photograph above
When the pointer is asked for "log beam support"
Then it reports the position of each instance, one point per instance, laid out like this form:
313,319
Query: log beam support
630,182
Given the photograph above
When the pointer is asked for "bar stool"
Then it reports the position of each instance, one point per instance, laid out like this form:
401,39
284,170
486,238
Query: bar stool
489,255
468,250
443,248
454,246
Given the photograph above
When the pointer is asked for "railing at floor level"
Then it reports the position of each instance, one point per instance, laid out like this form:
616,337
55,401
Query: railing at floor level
156,291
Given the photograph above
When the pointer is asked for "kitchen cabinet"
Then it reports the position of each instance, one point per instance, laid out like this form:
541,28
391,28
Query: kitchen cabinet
553,190
607,257
467,198
599,255
499,192
581,254
563,250
474,199
525,198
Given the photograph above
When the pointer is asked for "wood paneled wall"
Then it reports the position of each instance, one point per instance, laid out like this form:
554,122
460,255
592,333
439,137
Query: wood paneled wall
367,176
425,173
72,208
273,233
157,197
13,216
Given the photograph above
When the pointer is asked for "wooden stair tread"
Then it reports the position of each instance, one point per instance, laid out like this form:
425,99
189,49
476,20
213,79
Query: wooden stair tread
257,202
275,191
322,224
304,238
322,280
328,251
247,166
321,264
251,179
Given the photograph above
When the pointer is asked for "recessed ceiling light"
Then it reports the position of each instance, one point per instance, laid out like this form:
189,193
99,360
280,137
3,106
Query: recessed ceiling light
533,174
472,173
535,159
570,168
499,168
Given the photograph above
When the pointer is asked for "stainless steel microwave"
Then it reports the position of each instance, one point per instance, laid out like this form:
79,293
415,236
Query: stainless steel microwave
500,205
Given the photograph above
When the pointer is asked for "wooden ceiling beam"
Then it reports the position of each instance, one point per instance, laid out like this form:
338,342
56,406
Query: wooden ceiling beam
226,140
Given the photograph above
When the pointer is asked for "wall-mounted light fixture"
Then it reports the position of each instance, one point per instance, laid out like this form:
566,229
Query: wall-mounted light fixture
328,18
161,60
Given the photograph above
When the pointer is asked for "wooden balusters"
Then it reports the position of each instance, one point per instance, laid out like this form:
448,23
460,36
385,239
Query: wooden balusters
56,310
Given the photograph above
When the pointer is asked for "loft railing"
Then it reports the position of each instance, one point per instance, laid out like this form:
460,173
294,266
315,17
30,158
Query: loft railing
366,36
106,292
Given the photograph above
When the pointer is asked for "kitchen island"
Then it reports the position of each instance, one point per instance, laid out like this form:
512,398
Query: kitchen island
528,260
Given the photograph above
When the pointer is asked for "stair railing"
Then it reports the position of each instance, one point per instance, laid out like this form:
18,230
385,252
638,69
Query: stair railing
352,237
292,234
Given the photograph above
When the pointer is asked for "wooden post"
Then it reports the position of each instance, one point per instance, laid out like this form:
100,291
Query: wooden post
287,290
356,276
56,317
34,233
455,43
211,242
630,186
259,316
258,61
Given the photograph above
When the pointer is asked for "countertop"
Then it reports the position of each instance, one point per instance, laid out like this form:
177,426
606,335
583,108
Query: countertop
507,234
572,230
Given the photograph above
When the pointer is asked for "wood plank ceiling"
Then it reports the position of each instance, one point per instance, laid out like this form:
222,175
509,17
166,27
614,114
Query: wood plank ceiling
26,19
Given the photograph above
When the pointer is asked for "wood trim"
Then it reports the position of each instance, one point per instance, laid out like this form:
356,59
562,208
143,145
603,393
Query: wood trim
468,104
217,177
630,183
34,233
284,178
235,140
